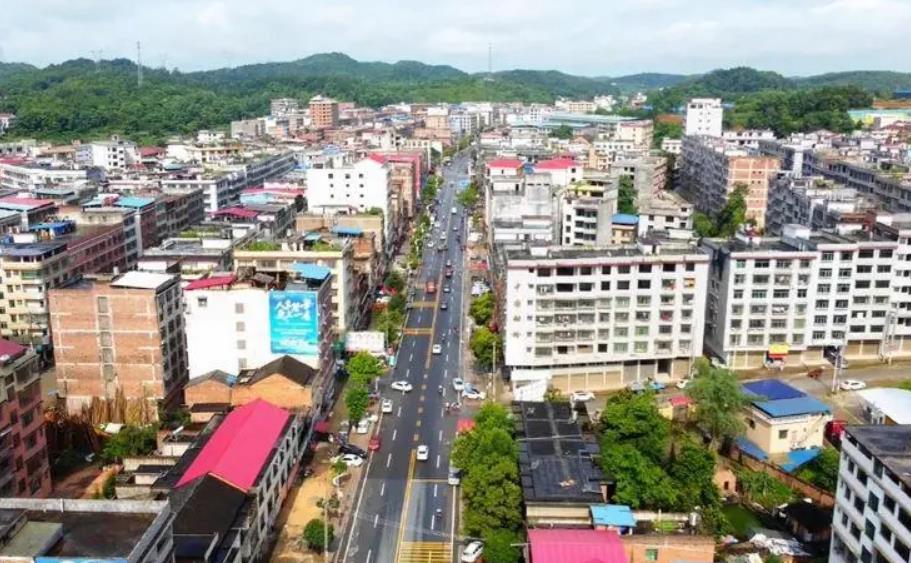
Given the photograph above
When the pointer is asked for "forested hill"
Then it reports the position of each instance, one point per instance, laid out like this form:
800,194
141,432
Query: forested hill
84,99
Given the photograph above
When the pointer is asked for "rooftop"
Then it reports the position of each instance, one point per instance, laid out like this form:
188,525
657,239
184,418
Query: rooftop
792,407
311,271
618,515
142,280
505,163
893,403
575,546
211,281
625,219
211,510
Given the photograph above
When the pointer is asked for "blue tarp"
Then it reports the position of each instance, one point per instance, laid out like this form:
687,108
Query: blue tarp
312,237
348,231
135,202
772,390
625,219
311,271
799,458
792,407
749,448
617,515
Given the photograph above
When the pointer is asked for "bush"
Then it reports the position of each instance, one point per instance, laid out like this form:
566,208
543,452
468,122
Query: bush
316,533
130,441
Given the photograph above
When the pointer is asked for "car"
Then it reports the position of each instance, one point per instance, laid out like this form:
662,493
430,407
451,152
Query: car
448,263
458,384
375,443
472,552
852,385
455,229
351,449
402,386
455,476
581,396
430,244
363,426
443,306
437,349
471,393
446,289
386,406
350,460
423,453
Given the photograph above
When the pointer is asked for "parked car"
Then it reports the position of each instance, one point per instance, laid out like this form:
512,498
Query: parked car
350,460
446,289
455,476
387,406
351,449
443,306
437,349
458,384
375,443
636,387
852,385
581,396
472,393
423,453
472,552
363,426
402,386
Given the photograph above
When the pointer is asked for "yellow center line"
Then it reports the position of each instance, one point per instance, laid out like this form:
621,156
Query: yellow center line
433,322
420,410
418,423
402,523
415,437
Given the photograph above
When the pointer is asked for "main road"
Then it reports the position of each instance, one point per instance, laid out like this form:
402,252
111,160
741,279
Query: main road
405,511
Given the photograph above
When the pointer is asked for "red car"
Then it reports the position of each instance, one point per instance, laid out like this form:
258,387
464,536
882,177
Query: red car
375,443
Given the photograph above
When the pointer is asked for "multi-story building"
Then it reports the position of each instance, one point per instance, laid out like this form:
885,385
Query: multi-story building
207,248
586,212
281,107
120,335
27,176
176,212
747,138
704,117
602,318
813,202
24,467
872,520
323,112
6,121
710,171
664,210
520,207
672,146
248,128
113,156
802,298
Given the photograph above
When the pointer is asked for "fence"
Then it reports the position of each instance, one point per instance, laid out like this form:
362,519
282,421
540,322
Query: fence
820,496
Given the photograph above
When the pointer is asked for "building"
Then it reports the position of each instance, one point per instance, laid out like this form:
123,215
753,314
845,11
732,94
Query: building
24,466
813,202
784,423
873,507
68,530
668,548
262,324
601,318
114,155
282,107
323,112
747,138
565,546
7,120
248,128
521,210
710,171
27,176
586,213
120,335
704,117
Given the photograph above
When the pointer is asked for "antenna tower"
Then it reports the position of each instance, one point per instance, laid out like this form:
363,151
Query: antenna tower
139,64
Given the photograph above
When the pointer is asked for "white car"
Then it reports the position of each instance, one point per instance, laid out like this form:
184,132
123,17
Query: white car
423,453
581,396
402,386
363,426
351,460
472,393
472,552
446,289
852,385
437,349
386,406
429,244
458,384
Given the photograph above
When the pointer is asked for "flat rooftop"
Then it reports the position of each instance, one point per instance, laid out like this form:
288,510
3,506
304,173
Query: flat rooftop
662,248
891,444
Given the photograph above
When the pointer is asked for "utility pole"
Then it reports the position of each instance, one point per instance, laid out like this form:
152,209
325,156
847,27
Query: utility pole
490,60
139,64
837,371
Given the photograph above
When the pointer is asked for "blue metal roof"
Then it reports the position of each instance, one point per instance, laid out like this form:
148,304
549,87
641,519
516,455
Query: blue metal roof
348,231
792,407
618,515
625,219
133,201
312,237
311,271
772,390
799,458
748,447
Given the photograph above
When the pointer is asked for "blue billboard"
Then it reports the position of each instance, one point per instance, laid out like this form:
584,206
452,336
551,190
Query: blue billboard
294,322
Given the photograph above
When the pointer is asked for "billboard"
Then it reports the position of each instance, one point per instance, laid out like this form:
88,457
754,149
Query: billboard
294,322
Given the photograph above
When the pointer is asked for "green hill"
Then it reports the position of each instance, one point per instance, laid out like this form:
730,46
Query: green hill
882,81
646,81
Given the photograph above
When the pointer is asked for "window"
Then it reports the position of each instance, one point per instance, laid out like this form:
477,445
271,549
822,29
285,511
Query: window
241,344
885,532
651,554
239,308
202,302
240,326
644,284
873,501
869,529
889,504
605,286
103,305
782,434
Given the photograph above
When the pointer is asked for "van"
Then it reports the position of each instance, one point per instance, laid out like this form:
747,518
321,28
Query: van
454,210
455,476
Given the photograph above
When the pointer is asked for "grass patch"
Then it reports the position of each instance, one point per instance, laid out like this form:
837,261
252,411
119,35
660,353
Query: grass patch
741,519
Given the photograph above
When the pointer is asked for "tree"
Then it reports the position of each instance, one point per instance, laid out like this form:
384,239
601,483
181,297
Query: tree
633,418
356,400
493,496
564,132
130,441
397,303
494,415
728,220
554,395
395,281
469,196
626,196
641,482
389,321
665,129
499,547
316,533
481,309
363,368
763,489
484,344
693,471
719,401
823,470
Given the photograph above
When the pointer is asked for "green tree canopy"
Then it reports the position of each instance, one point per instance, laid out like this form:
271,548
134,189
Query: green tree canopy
626,196
763,489
482,308
130,441
364,367
395,281
633,418
357,398
823,470
315,534
719,400
728,220
491,490
641,482
484,343
469,196
562,132
500,547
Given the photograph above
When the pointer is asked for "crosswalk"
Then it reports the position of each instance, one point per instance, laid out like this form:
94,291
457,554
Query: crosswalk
418,332
424,552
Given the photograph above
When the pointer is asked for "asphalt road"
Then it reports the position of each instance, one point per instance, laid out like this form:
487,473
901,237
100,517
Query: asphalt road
405,511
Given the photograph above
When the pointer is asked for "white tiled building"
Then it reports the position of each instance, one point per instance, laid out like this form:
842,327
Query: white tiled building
113,155
704,117
602,318
872,519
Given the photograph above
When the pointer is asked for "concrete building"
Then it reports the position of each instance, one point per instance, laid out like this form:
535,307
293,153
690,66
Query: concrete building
601,318
24,466
813,202
114,155
68,529
281,107
872,520
520,208
782,422
27,176
120,335
710,171
7,120
704,117
747,138
255,321
323,112
585,214
248,128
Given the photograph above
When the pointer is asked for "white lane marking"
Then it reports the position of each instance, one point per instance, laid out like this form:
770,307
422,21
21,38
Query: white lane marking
400,412
442,413
447,357
388,460
434,490
440,437
407,373
376,519
411,356
438,461
395,432
383,488
444,373
369,551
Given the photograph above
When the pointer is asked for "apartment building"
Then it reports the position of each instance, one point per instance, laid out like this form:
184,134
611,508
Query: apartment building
710,171
122,334
175,212
664,210
323,112
747,138
704,117
520,208
585,214
248,128
24,467
351,294
813,202
282,107
114,155
601,318
27,176
872,520
802,297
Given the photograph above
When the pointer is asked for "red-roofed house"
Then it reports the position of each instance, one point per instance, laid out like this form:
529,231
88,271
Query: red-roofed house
575,546
563,171
504,167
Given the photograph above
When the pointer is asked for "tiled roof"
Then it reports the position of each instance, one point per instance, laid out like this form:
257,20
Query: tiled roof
556,164
213,281
505,163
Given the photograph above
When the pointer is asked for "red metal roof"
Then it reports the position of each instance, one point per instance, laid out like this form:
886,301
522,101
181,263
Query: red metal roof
240,446
11,349
505,163
28,202
575,546
377,158
556,164
214,281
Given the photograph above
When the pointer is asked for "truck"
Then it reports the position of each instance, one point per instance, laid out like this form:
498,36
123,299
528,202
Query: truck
430,287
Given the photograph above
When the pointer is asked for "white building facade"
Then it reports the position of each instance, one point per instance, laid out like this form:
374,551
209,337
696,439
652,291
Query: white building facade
704,117
355,188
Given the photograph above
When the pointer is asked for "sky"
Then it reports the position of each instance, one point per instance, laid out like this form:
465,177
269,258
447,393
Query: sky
587,37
